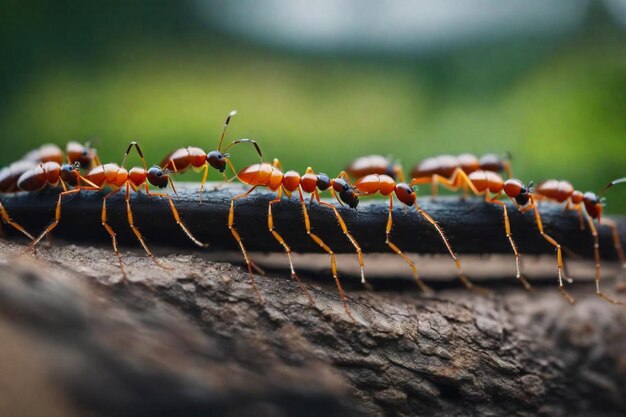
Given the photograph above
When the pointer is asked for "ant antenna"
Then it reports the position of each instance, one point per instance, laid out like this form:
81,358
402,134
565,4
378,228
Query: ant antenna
612,183
230,115
130,146
246,140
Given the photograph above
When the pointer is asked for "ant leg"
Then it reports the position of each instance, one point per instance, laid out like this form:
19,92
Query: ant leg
507,229
205,174
9,221
131,223
231,220
559,254
177,217
462,277
109,230
616,240
346,233
57,214
279,239
596,254
397,250
333,262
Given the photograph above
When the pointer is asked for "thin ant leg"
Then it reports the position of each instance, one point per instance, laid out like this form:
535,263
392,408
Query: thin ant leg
57,212
507,229
577,208
462,277
205,174
279,239
596,254
423,287
176,216
559,254
131,223
617,243
7,219
231,220
345,231
333,262
113,235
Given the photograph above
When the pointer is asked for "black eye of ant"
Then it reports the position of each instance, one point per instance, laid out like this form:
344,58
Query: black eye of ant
160,173
219,156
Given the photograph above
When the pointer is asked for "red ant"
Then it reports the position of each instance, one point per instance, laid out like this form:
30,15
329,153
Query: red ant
446,165
85,155
9,177
116,177
271,176
563,191
385,185
193,157
375,164
492,186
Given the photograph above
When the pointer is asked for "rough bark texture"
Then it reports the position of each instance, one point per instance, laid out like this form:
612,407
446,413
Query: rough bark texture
472,226
194,341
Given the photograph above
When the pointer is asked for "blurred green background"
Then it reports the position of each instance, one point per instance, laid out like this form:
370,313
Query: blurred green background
167,73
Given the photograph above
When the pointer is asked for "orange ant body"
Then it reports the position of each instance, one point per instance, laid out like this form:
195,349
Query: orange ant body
271,176
182,159
385,185
446,165
564,192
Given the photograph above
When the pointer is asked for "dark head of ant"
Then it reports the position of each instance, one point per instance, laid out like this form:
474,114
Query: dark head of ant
218,159
593,204
70,174
158,177
518,191
347,194
405,193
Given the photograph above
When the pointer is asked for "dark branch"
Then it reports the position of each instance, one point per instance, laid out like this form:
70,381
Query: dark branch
472,226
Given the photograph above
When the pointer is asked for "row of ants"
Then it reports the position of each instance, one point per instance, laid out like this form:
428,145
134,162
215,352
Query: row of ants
79,169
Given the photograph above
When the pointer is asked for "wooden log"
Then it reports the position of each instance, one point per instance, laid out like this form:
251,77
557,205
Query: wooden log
473,226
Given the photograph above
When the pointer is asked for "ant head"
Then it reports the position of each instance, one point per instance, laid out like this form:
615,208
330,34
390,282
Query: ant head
69,173
405,193
340,185
217,160
323,182
593,204
158,177
516,190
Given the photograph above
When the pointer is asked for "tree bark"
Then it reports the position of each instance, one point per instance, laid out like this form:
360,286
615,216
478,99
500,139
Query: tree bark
193,340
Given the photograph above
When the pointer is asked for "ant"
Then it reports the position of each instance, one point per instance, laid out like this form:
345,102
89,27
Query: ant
385,185
446,165
563,191
182,159
9,177
53,174
118,177
85,155
271,176
491,185
375,164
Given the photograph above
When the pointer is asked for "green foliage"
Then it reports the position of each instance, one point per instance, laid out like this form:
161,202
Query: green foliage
561,114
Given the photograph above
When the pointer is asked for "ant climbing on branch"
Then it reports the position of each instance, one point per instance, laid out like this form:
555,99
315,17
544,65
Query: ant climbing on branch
182,159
